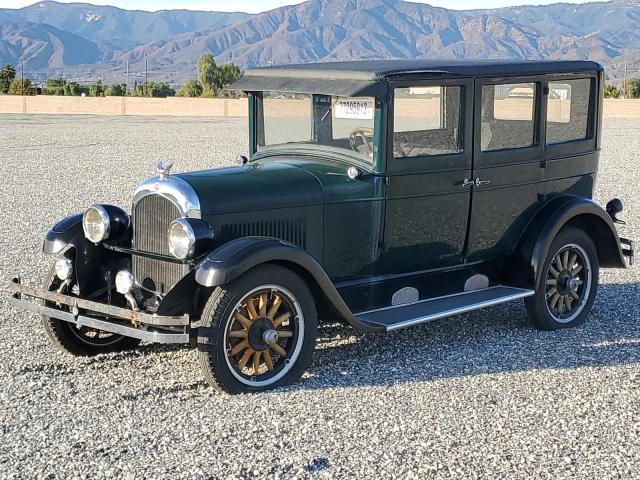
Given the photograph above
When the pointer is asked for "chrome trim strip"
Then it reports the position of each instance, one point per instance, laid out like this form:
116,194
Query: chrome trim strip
460,310
173,188
122,313
105,326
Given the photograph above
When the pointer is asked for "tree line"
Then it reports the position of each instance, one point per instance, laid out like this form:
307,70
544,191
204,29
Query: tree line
210,82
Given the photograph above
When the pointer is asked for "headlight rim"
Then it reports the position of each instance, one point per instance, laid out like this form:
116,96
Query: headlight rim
106,221
190,233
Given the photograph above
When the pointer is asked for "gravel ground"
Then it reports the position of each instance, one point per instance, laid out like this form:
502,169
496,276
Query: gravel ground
478,396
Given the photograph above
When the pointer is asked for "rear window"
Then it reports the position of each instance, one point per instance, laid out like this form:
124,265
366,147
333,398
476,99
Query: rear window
568,110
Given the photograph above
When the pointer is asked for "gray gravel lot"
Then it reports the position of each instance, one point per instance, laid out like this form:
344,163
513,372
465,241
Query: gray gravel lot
477,396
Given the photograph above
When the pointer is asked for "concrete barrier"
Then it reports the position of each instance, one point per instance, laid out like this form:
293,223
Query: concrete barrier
190,107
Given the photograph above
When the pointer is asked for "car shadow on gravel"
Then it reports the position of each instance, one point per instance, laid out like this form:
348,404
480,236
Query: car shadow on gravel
495,340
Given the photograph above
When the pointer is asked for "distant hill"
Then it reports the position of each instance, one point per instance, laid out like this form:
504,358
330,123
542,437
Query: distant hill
171,41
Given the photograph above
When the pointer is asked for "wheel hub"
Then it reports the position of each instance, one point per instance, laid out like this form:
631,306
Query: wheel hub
262,334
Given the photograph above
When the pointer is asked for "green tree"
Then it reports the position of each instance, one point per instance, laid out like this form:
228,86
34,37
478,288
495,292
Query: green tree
634,88
611,91
229,73
115,90
208,75
7,75
21,87
191,88
54,86
154,89
97,89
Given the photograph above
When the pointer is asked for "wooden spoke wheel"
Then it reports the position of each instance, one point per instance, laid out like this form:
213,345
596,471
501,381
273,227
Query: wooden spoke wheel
264,335
257,332
568,282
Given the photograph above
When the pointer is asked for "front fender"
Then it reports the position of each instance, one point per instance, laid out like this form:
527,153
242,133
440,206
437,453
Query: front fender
94,266
558,213
236,257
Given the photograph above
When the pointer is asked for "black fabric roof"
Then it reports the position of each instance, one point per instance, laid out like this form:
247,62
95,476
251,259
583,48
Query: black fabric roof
367,77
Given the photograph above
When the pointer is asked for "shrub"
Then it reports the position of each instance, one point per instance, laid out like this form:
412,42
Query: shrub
115,90
97,89
611,91
21,87
634,88
191,88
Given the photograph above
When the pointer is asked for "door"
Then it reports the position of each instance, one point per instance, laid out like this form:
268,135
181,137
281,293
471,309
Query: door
507,160
429,157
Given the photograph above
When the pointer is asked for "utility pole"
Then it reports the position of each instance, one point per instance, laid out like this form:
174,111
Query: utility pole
126,80
22,80
624,83
146,77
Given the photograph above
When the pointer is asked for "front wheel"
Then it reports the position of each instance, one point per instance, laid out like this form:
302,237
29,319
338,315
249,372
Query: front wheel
257,332
568,282
81,341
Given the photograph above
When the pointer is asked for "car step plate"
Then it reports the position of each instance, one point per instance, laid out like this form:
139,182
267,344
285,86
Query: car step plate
402,316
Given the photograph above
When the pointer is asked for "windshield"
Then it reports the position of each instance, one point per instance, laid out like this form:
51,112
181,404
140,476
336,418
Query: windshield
342,124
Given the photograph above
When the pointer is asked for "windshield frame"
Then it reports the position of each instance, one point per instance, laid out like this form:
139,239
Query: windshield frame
343,155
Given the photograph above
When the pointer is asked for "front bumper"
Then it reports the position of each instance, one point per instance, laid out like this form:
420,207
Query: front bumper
108,318
628,249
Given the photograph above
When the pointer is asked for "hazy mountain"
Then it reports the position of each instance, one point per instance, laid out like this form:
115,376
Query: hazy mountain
45,46
121,29
171,41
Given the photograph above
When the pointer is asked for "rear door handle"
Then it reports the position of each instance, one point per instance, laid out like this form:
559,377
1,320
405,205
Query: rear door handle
482,182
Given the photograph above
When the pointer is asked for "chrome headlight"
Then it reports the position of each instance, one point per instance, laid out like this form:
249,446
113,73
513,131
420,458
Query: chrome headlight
96,223
182,239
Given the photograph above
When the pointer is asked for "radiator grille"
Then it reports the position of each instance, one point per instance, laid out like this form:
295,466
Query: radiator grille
151,219
289,230
152,216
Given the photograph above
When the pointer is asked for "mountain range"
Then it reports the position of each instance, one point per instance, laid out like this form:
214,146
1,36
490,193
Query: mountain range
84,40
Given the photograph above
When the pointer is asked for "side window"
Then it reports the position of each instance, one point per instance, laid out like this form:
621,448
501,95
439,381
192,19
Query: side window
568,110
427,121
507,119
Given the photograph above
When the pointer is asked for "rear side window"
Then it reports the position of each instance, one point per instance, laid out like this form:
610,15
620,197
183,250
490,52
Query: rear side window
568,110
426,121
508,112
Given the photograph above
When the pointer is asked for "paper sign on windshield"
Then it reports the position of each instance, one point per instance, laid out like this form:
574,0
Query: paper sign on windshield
354,109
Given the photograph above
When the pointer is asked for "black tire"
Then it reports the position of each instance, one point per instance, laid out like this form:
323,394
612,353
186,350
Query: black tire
222,369
79,342
574,292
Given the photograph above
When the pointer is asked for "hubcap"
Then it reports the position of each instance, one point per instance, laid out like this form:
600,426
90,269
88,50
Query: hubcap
264,335
568,283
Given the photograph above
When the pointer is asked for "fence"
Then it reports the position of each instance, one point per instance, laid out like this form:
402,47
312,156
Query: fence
177,106
189,107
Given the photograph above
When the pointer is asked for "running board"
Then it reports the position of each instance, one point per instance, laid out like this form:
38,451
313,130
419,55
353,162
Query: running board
402,316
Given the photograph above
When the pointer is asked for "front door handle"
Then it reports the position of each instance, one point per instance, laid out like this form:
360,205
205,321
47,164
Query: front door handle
467,183
479,182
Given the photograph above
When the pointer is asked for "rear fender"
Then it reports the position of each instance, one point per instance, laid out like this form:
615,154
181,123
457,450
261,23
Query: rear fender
524,267
235,258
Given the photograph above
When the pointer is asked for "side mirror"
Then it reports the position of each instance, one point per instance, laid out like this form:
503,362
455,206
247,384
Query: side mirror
615,208
242,160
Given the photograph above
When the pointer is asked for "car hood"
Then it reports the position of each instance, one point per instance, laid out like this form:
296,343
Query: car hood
252,187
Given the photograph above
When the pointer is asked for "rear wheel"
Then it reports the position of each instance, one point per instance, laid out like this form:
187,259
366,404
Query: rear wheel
258,332
568,284
80,341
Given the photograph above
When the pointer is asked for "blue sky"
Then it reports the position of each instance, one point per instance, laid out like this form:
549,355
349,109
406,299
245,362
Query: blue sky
262,5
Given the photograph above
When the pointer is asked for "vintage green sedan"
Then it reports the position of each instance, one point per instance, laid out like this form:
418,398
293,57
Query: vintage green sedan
383,194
